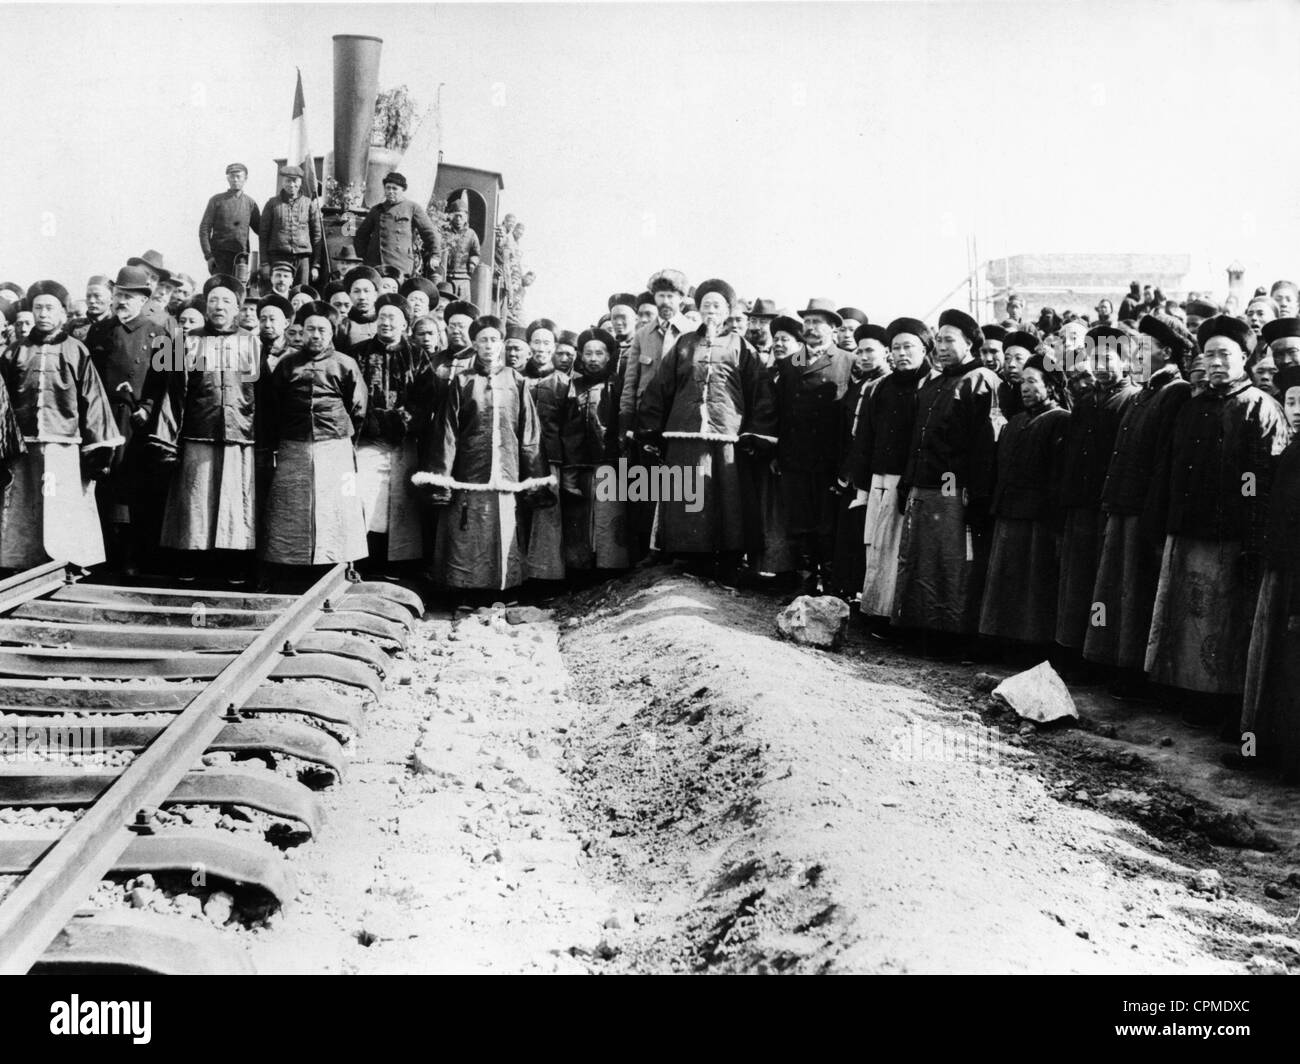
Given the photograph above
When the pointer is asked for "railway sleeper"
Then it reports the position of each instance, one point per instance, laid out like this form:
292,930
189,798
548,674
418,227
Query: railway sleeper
252,871
247,737
341,715
122,664
41,785
122,942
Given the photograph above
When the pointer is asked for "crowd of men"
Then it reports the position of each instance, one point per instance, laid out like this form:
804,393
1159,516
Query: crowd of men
1117,493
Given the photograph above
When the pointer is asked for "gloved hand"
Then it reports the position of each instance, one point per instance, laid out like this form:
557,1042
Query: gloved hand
904,490
538,498
96,464
756,446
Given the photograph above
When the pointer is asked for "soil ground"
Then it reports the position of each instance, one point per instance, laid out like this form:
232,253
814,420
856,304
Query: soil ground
651,781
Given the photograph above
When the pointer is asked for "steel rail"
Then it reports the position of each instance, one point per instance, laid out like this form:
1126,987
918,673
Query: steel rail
41,906
32,583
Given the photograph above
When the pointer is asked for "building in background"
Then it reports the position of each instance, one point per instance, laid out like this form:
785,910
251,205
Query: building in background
1075,281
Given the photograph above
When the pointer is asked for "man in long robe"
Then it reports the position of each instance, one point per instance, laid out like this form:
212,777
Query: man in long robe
62,412
485,460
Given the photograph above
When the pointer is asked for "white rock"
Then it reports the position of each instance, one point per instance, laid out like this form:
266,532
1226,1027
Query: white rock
218,907
1260,965
1208,881
1038,694
819,621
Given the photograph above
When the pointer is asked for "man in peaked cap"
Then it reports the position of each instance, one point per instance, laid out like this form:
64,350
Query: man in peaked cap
386,236
462,253
125,349
850,319
291,227
1227,436
227,221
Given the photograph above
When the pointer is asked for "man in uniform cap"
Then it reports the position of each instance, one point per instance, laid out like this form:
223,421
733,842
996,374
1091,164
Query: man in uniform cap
649,346
62,412
386,236
133,353
282,273
291,227
206,427
462,253
850,319
227,221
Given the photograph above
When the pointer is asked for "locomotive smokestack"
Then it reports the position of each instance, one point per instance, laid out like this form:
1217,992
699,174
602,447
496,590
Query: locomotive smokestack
356,84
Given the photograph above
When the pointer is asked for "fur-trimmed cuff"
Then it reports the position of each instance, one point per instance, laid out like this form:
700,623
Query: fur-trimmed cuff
711,437
438,480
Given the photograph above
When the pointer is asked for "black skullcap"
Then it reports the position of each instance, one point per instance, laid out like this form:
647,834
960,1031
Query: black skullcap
317,309
542,323
1280,328
994,332
714,285
282,304
361,273
967,325
392,299
487,321
912,326
1234,329
871,332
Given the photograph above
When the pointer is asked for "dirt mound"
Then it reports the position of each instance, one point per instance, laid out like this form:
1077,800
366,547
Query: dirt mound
767,807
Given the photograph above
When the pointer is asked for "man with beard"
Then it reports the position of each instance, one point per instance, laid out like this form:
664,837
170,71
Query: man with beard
99,307
850,320
1219,468
870,365
61,412
710,395
362,284
622,326
227,221
948,488
398,379
204,425
159,278
133,352
1133,503
1089,445
649,347
878,457
484,462
809,445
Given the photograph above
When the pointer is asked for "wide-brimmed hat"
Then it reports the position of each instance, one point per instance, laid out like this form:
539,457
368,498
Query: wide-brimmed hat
763,308
154,260
825,307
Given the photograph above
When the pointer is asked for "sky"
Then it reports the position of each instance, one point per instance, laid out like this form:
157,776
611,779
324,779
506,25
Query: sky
846,150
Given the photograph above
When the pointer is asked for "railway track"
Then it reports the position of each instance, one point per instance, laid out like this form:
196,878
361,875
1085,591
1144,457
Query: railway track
161,747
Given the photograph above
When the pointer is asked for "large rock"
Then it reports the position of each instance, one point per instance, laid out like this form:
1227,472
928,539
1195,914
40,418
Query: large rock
1038,694
818,621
